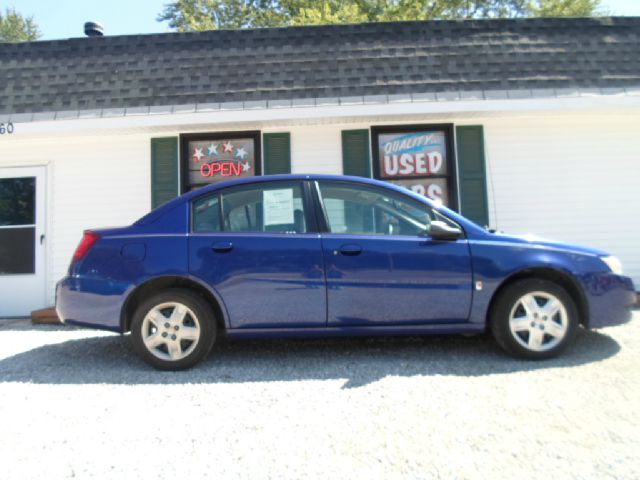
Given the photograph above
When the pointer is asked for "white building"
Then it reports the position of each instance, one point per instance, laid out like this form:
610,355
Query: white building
532,126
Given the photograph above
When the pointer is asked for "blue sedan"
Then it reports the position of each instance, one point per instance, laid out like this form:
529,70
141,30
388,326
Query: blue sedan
319,255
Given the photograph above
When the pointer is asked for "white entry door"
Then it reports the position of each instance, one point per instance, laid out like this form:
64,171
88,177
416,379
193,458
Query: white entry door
22,240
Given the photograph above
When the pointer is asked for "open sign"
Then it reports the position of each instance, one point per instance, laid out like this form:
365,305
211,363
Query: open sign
225,169
217,157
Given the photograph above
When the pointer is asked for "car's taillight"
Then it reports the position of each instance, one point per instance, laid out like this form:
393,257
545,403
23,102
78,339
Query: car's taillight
88,239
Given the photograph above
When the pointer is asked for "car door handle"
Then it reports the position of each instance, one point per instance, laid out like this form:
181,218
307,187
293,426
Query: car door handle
351,249
222,247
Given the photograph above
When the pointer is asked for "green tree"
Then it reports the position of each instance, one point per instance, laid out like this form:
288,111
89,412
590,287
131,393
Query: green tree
567,8
16,28
323,12
195,15
190,15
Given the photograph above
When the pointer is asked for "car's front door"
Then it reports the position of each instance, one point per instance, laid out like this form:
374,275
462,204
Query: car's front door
382,267
255,246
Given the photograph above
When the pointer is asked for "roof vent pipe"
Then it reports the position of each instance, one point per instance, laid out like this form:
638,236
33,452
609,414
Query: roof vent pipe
93,29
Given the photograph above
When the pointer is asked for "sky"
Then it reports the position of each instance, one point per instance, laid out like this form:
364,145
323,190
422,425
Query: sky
123,17
65,18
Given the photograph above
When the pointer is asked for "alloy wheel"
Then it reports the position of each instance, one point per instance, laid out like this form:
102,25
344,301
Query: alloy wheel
170,331
538,321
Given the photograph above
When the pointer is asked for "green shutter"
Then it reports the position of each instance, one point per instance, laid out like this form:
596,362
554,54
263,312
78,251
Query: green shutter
355,153
472,174
164,170
277,153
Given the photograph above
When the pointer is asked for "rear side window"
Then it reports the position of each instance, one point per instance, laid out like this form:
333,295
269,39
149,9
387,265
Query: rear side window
273,207
206,214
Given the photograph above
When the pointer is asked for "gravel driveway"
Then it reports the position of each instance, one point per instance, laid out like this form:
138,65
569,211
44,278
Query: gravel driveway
78,403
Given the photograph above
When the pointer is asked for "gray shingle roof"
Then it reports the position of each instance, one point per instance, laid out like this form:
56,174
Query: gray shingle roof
319,62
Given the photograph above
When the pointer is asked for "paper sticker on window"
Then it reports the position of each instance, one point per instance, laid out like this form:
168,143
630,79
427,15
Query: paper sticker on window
278,206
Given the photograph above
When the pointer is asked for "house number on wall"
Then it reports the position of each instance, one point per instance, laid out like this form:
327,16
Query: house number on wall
6,128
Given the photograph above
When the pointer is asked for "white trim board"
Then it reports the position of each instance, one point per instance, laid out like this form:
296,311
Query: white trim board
142,118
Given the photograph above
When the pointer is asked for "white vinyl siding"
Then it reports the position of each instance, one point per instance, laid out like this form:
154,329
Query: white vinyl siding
92,182
569,177
316,149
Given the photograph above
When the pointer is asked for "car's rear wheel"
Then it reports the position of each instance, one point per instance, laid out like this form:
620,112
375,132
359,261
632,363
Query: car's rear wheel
173,329
534,319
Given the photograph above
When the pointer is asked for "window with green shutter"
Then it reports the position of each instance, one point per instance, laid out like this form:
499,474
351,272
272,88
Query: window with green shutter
356,159
164,170
417,157
472,174
277,153
208,158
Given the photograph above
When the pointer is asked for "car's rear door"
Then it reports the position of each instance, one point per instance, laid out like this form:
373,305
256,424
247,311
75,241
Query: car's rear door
382,267
257,247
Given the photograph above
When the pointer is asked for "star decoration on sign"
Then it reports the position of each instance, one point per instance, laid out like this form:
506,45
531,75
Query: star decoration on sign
197,154
241,153
228,147
246,167
213,149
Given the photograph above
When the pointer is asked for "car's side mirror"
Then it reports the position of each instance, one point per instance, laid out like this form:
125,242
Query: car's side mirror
439,230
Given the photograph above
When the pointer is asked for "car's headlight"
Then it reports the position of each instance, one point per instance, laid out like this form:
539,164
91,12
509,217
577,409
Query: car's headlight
614,264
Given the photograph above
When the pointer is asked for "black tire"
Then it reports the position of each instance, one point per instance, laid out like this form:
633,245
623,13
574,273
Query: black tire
517,343
198,317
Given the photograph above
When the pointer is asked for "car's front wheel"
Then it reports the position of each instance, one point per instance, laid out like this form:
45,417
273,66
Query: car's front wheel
534,319
173,329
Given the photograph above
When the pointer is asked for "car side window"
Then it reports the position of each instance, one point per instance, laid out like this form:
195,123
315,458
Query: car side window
275,207
362,210
206,214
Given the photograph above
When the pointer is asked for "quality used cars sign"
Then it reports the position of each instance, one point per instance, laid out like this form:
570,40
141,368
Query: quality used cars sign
416,160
